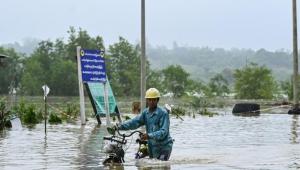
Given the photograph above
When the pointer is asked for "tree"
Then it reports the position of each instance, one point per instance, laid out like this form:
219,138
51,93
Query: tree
175,79
198,87
11,71
32,79
83,39
54,63
254,82
64,80
123,68
287,88
155,79
37,69
218,85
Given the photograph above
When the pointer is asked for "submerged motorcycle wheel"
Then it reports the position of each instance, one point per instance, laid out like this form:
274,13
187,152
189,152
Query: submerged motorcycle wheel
112,161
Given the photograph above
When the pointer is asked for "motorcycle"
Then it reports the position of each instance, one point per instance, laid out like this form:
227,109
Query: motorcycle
115,150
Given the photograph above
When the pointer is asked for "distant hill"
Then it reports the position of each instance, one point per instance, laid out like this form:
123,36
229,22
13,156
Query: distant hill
26,47
203,63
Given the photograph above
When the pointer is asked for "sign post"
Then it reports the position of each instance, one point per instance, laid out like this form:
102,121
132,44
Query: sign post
80,86
46,90
91,68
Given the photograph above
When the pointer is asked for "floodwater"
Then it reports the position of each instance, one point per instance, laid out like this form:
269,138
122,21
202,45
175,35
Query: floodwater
269,141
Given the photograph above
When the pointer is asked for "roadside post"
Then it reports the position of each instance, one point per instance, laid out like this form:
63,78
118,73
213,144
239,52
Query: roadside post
46,90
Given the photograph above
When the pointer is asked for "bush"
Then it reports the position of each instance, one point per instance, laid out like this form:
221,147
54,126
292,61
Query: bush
4,115
20,109
205,112
71,111
54,119
30,116
178,112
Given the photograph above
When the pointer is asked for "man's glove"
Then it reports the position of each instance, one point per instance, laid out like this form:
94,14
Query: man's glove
112,130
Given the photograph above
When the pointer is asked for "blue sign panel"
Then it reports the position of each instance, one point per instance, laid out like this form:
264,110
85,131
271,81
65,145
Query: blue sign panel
92,66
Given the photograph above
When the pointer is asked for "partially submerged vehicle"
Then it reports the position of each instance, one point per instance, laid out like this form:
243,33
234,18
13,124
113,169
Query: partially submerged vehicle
246,109
114,149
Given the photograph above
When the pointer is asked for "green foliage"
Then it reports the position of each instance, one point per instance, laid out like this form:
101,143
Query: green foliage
71,111
123,65
64,80
54,119
178,111
155,79
199,102
204,62
200,105
32,79
254,82
83,39
20,108
40,114
11,70
4,115
218,85
205,112
30,115
175,79
287,88
198,87
54,64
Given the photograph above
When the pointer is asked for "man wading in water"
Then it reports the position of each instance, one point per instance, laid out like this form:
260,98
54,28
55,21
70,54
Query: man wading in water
157,122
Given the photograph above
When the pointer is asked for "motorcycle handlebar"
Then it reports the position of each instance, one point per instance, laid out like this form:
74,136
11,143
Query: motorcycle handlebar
115,140
124,135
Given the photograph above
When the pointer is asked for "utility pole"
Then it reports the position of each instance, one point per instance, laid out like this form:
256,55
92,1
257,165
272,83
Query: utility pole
295,56
143,57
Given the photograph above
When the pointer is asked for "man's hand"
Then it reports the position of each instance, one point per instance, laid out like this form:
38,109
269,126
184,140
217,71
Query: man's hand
112,130
144,136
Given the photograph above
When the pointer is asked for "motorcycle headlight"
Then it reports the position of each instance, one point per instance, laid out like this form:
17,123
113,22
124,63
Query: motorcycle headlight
109,148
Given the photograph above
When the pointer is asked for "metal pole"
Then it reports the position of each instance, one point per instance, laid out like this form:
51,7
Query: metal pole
106,104
143,57
295,55
81,93
45,114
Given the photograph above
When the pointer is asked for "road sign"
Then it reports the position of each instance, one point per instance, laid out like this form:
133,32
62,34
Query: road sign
46,90
92,66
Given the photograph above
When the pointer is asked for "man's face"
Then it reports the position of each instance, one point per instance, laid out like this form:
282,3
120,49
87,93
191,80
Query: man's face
152,103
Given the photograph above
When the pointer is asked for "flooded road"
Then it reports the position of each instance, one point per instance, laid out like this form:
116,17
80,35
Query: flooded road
269,141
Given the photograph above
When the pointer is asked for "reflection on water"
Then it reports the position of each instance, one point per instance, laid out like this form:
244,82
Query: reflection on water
294,130
90,147
269,141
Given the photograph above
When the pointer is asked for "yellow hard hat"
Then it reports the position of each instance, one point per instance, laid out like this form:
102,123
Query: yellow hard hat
152,93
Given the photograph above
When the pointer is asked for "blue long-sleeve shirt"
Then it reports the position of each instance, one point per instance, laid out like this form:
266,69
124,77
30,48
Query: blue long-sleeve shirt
157,127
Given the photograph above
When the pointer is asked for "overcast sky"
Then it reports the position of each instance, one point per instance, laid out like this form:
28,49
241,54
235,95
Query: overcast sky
214,23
